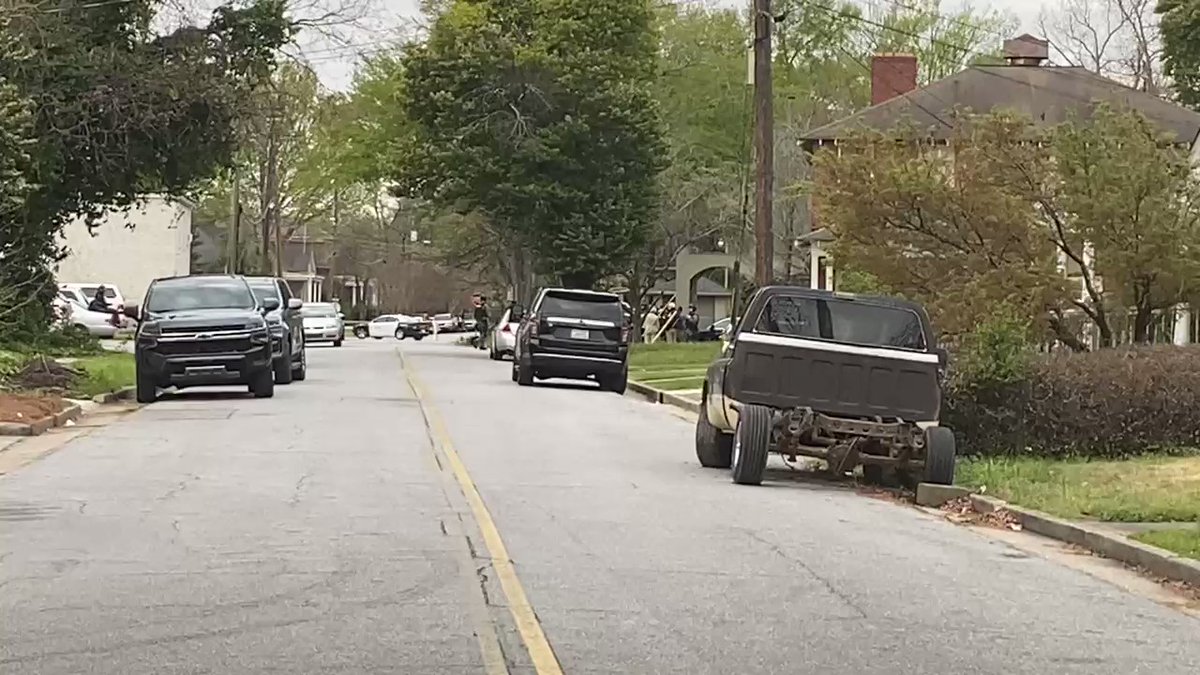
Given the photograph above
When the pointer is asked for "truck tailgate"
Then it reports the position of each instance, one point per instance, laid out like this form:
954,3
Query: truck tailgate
834,378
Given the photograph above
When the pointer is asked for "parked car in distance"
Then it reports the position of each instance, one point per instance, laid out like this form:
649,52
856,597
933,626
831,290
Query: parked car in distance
574,334
83,293
382,326
413,327
287,328
206,330
447,323
97,324
323,322
714,331
848,379
503,337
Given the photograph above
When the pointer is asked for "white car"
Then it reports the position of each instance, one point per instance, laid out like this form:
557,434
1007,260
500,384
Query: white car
97,324
446,323
322,323
383,326
83,293
503,338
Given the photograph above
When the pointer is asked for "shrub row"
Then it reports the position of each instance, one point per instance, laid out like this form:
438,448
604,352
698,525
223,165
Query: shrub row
1111,402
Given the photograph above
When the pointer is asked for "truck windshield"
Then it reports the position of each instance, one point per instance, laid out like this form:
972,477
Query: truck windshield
582,306
851,321
264,288
186,293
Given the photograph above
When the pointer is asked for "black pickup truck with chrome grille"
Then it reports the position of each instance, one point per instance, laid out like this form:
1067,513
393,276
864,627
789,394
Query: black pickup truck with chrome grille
204,330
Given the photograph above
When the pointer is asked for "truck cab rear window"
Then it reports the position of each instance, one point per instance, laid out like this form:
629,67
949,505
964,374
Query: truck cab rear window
850,321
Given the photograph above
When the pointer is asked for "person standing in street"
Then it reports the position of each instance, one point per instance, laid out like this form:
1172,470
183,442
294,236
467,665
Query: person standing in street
481,321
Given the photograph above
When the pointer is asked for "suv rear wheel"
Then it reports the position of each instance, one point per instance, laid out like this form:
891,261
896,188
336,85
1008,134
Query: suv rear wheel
616,382
751,442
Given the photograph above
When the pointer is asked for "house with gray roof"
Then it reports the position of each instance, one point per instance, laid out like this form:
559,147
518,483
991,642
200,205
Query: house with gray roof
1025,84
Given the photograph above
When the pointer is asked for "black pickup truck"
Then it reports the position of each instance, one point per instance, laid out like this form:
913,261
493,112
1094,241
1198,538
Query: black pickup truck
848,379
204,330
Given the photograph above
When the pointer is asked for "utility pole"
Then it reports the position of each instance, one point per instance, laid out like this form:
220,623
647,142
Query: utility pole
764,146
235,218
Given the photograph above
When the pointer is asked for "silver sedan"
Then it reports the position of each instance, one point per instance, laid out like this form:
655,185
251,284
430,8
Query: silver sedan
503,338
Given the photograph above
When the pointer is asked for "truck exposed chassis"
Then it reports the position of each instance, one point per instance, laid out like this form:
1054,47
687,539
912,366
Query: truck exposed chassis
846,443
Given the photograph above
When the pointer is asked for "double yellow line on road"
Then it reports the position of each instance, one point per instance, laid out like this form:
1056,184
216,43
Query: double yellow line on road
530,629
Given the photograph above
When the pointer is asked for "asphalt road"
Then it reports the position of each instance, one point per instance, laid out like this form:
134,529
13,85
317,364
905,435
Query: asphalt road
322,531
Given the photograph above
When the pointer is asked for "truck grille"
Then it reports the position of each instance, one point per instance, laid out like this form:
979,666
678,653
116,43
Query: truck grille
221,346
174,330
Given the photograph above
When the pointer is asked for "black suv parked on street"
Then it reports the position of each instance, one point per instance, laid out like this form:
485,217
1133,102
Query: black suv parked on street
574,334
202,331
287,328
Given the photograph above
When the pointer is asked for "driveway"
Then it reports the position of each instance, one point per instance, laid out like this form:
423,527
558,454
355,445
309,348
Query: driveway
322,532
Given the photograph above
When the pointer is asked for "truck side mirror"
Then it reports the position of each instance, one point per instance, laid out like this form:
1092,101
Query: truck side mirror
131,311
270,304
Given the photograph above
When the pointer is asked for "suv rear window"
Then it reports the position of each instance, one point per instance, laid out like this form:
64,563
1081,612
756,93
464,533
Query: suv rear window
582,306
849,321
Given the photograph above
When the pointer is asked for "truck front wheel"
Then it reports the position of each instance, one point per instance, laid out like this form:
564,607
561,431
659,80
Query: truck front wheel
751,442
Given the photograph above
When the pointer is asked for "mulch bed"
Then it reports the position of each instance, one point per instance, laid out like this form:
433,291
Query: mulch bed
25,409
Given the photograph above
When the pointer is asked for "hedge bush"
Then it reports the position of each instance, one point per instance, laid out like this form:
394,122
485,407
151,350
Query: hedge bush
1111,402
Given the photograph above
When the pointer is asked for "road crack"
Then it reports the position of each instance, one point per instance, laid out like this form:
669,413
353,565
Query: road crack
298,490
829,586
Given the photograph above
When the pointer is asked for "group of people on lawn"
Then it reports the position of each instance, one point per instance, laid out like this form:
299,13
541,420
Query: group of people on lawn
670,324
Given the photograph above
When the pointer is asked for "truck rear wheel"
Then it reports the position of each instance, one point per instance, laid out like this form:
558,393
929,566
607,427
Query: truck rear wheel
713,448
751,442
940,451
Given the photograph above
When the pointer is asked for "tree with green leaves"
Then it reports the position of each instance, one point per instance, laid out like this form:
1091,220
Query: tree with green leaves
116,112
961,241
537,116
1179,25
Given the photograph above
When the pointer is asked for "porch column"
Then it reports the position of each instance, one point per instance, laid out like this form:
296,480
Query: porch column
814,265
1183,325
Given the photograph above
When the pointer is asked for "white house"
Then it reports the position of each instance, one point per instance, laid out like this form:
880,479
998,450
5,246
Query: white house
131,247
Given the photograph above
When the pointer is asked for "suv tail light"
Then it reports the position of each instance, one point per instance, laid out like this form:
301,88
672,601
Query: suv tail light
625,334
534,324
507,328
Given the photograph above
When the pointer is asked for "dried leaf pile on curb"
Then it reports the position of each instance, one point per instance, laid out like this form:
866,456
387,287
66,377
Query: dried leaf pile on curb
962,511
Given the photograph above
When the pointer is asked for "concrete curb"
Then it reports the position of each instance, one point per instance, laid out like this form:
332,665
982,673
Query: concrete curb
1157,561
40,426
653,395
114,396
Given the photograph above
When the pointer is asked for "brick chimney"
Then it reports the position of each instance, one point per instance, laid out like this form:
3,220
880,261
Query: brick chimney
892,75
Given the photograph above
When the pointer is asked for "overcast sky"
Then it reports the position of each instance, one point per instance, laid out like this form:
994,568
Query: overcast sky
335,51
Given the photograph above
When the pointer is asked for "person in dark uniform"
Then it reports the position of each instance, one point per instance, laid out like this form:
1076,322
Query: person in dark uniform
481,321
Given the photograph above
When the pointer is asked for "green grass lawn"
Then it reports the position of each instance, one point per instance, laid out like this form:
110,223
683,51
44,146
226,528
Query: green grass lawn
104,373
1147,489
672,367
1183,542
